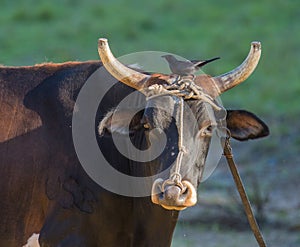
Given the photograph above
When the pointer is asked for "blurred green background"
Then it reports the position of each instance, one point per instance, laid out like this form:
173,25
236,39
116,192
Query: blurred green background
60,30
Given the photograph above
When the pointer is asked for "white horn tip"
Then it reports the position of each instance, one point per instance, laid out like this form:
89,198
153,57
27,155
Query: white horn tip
256,45
102,41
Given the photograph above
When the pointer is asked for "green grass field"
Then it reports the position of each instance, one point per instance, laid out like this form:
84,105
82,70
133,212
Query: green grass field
41,31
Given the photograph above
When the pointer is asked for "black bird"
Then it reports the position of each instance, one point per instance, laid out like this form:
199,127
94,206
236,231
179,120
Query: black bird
185,68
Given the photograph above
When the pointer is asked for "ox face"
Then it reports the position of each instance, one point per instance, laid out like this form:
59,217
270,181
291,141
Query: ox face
160,122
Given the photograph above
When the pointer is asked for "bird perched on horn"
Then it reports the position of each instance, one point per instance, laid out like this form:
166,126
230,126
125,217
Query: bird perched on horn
187,67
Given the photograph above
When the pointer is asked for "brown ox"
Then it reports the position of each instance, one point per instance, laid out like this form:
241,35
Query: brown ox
43,185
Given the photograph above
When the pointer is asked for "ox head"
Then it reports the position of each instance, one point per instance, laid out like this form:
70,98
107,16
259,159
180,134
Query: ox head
188,121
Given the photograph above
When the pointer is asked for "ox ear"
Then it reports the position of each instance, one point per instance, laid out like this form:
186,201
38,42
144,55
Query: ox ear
244,125
121,121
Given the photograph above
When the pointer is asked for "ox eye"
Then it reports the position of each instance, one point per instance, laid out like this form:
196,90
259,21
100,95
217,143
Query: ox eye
146,126
207,131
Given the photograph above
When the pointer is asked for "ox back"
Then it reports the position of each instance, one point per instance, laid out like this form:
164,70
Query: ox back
43,186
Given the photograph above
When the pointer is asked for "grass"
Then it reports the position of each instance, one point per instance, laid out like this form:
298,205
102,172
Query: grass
34,32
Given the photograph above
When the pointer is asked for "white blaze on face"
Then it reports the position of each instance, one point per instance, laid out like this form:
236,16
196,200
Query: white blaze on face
33,241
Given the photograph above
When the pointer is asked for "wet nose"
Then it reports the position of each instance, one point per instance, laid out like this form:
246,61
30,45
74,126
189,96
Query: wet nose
173,197
172,194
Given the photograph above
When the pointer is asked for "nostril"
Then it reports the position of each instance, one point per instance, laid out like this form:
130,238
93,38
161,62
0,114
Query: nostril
156,192
184,191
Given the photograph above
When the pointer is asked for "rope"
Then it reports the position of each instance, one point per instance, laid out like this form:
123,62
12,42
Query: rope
183,87
175,177
241,189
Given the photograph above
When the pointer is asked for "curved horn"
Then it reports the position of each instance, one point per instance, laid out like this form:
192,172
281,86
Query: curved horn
118,70
241,73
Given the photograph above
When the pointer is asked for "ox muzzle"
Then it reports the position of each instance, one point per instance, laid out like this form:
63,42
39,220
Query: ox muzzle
173,196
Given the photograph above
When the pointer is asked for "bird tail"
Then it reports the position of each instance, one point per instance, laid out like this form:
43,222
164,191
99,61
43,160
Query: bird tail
202,63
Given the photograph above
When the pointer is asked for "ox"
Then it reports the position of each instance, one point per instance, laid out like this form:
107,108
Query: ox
44,188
